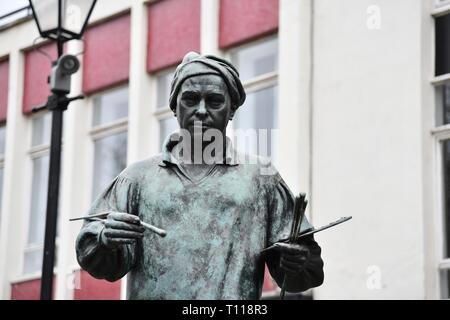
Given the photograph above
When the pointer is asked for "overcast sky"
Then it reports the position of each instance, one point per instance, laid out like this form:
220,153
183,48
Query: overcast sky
7,6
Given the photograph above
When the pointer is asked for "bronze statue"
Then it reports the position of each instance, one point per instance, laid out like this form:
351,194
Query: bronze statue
219,213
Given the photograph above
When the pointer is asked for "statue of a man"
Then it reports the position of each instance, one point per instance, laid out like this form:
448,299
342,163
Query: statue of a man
219,215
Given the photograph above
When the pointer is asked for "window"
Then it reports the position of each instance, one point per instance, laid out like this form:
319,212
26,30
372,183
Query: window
166,127
167,122
445,253
109,135
257,64
441,133
443,104
442,62
39,153
2,162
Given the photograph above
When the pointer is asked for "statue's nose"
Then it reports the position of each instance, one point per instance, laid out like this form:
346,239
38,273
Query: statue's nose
201,110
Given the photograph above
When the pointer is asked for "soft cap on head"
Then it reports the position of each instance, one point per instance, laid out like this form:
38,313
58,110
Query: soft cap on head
194,64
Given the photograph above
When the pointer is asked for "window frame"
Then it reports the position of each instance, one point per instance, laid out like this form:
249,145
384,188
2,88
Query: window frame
161,113
2,167
260,82
100,131
2,154
440,134
257,83
116,126
34,152
440,7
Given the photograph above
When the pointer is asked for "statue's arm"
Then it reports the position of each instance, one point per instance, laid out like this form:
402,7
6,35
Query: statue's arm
99,260
301,262
97,253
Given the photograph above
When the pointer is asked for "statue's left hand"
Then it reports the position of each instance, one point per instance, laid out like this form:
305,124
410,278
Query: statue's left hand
293,257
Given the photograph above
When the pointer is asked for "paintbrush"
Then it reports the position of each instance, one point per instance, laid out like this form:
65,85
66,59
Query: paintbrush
102,215
300,204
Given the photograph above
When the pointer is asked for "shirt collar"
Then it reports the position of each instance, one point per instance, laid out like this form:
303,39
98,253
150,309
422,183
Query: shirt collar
173,139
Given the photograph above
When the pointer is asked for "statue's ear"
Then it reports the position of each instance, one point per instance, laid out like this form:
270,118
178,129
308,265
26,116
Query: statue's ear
232,114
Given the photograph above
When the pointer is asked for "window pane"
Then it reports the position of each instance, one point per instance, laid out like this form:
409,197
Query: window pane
166,127
443,104
2,139
163,82
110,106
256,60
42,126
33,261
446,169
38,200
110,158
258,112
443,45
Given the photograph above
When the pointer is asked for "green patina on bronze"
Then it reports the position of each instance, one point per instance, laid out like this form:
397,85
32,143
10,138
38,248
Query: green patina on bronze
216,226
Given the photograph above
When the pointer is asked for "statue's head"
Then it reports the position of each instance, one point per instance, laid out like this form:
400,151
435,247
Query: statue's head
205,89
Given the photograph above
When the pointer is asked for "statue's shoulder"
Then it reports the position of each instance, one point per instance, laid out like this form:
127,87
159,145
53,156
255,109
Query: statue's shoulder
139,170
259,166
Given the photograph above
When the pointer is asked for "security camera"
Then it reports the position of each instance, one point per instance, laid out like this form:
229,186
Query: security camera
69,64
61,73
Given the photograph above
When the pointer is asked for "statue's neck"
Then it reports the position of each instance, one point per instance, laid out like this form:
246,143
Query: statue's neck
200,152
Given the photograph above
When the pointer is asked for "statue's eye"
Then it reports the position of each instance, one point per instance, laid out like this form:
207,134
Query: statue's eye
215,100
189,100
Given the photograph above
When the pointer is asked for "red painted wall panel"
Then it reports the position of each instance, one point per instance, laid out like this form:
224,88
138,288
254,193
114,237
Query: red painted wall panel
37,69
173,30
28,290
94,289
242,21
4,77
106,60
269,284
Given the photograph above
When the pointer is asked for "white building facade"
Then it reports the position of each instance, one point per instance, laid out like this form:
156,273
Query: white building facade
356,90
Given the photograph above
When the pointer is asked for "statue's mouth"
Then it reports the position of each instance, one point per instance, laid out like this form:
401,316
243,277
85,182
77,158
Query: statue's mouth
201,126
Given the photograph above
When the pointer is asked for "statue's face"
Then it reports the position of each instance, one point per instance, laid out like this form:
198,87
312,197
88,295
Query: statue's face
204,99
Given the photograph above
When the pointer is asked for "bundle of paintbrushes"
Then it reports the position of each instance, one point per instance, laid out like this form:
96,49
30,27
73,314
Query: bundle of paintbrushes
300,204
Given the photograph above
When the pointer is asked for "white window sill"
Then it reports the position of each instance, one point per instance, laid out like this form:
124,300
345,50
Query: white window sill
440,80
441,9
444,264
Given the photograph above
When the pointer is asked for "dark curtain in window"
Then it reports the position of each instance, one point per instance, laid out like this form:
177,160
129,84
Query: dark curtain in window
443,45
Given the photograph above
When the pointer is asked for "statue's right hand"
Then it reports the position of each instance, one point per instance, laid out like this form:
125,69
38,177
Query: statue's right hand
121,228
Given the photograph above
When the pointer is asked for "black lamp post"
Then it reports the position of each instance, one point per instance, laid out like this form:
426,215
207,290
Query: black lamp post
60,21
